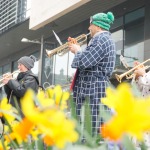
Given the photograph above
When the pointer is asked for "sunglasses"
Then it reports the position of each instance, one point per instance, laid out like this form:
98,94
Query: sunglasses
91,19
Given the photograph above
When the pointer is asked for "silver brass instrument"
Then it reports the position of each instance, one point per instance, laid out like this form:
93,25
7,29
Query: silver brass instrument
128,74
63,49
14,76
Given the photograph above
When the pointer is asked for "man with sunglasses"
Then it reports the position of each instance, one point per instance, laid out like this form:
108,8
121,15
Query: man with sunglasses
94,65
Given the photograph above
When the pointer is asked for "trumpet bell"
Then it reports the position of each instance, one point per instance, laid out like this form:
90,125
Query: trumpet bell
14,76
61,50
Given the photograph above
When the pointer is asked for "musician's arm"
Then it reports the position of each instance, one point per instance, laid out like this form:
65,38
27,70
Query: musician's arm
89,57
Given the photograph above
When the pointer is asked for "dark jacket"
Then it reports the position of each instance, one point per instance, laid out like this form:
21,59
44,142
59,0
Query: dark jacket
17,88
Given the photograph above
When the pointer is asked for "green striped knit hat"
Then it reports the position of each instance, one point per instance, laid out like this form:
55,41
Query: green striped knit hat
102,20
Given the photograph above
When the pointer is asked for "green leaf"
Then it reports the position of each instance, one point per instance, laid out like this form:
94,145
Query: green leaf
87,117
143,146
11,114
36,101
13,143
72,106
39,144
84,147
31,144
2,140
17,106
49,148
127,143
105,114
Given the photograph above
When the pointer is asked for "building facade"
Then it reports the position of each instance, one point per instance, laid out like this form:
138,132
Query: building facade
130,32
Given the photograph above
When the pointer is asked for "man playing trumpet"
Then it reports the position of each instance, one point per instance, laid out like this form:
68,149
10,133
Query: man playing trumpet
94,65
142,79
15,89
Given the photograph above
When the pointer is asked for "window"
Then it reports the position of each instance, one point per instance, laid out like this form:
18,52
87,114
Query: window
135,15
134,36
61,69
129,37
118,38
4,69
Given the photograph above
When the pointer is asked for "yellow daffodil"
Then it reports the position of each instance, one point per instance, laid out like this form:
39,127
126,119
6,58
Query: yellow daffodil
50,121
5,144
44,101
60,98
6,110
132,114
21,130
35,132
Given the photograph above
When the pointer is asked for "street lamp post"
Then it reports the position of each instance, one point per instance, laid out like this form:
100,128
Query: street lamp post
41,60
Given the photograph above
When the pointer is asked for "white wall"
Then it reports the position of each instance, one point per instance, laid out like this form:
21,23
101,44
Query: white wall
44,12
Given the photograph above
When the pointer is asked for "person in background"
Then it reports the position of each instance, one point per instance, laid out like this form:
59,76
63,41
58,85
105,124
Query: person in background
15,89
94,65
142,79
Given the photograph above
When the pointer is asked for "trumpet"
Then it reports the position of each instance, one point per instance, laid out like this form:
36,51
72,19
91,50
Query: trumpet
63,49
13,74
128,74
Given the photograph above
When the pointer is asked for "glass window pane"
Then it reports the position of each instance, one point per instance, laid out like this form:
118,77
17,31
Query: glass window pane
1,71
135,15
118,38
117,23
6,68
14,65
61,70
134,44
36,54
71,71
48,72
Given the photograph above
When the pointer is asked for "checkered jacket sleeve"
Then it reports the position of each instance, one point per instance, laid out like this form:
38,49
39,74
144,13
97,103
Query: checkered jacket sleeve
94,53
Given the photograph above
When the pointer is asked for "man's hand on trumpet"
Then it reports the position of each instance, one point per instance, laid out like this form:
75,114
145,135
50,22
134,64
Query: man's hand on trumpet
6,78
73,46
140,71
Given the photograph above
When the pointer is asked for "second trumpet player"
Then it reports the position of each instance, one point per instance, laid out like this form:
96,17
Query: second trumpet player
142,79
132,73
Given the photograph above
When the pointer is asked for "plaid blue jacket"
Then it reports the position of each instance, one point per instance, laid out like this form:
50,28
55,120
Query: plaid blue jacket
95,66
